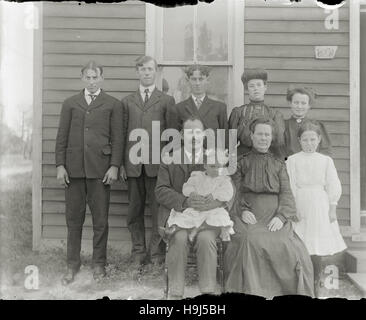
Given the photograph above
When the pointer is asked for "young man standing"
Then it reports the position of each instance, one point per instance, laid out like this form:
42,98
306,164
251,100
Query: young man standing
89,149
212,113
140,109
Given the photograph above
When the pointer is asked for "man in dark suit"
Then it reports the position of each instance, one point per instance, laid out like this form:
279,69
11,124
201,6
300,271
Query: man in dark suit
89,150
212,113
169,195
140,109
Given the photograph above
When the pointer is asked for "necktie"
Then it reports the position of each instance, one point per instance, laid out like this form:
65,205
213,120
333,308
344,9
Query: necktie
92,97
146,95
198,103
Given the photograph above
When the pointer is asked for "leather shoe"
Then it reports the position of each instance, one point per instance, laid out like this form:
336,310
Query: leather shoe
69,276
99,273
137,259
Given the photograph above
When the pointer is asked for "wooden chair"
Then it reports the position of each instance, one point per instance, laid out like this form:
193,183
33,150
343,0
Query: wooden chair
191,263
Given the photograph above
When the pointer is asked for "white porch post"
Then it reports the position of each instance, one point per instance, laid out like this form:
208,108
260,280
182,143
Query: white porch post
37,131
355,186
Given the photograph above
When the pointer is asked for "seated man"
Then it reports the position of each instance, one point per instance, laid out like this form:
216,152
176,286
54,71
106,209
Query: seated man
168,191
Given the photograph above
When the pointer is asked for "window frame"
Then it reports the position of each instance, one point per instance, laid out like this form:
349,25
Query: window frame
235,62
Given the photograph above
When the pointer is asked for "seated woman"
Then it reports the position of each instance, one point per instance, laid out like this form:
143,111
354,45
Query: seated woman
265,257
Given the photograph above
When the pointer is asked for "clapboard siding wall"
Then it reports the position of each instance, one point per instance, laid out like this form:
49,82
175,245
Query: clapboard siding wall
282,39
114,36
278,38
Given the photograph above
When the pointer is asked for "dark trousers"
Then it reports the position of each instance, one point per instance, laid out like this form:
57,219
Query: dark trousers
141,189
206,253
94,193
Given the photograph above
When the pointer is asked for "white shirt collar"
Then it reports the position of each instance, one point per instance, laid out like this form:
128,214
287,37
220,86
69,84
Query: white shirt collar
142,90
195,99
86,92
198,155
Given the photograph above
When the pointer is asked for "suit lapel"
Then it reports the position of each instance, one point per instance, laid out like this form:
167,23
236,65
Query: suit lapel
99,100
205,107
138,100
81,100
183,166
154,98
191,107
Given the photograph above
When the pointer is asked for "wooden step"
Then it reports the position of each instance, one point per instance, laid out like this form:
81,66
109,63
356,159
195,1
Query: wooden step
363,220
359,280
356,261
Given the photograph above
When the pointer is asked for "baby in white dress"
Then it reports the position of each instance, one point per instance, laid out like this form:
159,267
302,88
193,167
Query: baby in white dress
213,183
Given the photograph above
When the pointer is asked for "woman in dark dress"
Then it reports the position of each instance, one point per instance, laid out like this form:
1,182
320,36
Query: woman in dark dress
255,84
265,256
301,100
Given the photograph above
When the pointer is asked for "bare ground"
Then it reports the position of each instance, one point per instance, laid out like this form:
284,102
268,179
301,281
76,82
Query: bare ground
123,280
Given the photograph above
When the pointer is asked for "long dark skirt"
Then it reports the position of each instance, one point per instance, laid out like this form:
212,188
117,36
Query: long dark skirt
265,263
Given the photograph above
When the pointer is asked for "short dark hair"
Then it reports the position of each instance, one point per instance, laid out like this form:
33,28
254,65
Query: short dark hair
309,125
257,73
302,90
204,70
92,65
143,59
192,118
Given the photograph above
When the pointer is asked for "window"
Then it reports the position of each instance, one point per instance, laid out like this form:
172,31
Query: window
209,34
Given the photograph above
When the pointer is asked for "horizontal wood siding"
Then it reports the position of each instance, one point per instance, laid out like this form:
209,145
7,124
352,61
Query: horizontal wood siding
282,39
114,36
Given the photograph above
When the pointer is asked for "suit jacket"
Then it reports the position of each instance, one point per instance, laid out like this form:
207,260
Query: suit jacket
212,113
168,190
137,115
90,137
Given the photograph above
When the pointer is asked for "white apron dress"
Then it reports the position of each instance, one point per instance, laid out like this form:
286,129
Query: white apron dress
315,185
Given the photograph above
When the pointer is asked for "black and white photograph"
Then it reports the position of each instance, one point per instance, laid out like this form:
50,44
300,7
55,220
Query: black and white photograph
165,151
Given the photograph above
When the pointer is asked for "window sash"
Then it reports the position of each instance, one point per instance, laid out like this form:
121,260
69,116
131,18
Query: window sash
160,28
153,40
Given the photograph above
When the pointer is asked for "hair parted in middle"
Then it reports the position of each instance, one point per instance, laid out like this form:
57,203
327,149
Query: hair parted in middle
204,70
92,65
309,125
291,91
261,120
192,119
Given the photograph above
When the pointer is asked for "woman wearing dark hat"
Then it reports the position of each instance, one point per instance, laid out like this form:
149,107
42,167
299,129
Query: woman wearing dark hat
255,82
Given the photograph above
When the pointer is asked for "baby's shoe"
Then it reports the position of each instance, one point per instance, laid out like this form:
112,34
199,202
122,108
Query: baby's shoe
192,235
225,235
168,232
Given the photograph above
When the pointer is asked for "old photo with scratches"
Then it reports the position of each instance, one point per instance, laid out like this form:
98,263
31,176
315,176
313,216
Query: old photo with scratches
163,152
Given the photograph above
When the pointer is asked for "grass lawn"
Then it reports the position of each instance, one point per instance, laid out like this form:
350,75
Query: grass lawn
123,280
